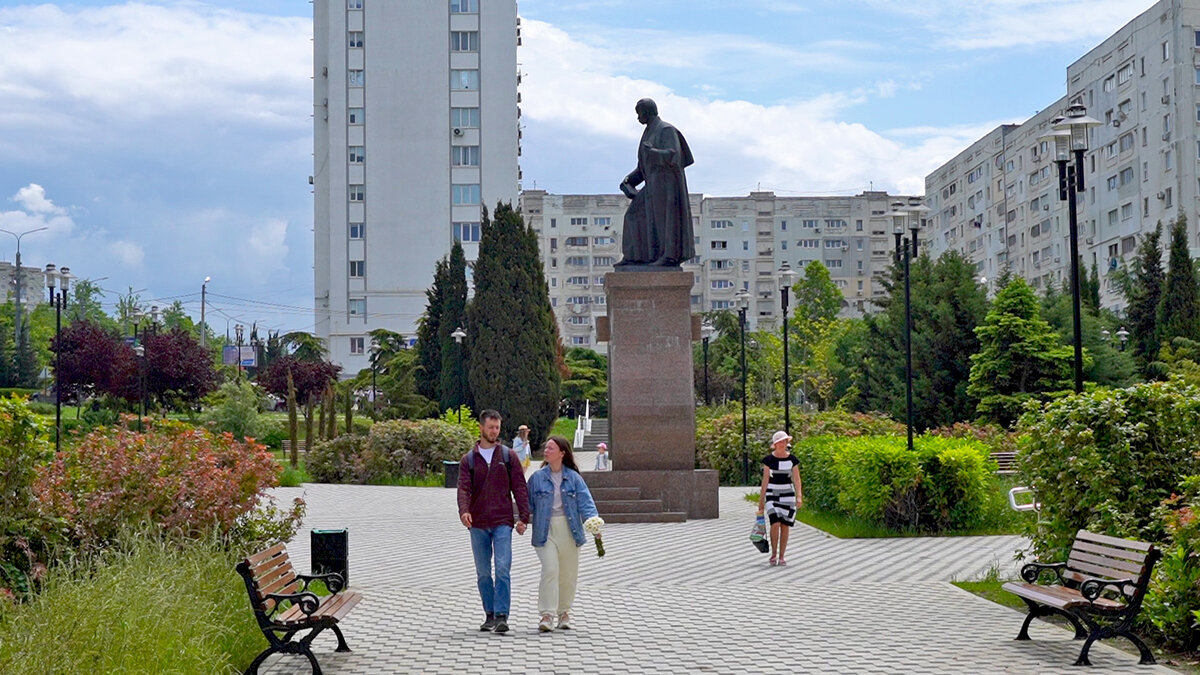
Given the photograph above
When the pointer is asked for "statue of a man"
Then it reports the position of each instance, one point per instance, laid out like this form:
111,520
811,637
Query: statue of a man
658,222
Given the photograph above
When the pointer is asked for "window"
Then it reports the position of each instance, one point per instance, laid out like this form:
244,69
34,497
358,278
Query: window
858,244
580,340
579,221
810,224
464,194
746,266
1112,182
718,245
745,246
858,226
721,304
1125,74
579,320
1167,198
358,192
354,4
1110,83
464,80
464,41
838,222
1166,124
1126,142
579,300
358,269
717,265
783,244
1197,33
578,260
809,243
605,221
720,284
464,155
464,6
356,78
357,154
357,230
599,300
834,265
357,307
1127,211
722,224
783,226
603,261
577,281
577,241
1166,51
598,280
356,115
466,232
835,243
355,40
464,118
604,241
358,345
1112,217
1168,160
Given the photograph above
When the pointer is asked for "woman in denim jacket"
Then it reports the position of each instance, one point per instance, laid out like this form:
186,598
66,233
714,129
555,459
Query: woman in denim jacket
560,503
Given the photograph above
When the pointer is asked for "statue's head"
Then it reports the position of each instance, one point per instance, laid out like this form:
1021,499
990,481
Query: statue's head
646,109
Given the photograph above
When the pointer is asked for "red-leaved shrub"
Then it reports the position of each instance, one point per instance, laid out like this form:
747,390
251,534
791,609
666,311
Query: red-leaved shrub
182,480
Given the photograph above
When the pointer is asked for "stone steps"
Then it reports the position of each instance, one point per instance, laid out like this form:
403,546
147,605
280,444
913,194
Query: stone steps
616,506
661,517
615,493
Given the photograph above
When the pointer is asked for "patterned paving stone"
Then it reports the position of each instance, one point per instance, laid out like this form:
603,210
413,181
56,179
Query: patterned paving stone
694,597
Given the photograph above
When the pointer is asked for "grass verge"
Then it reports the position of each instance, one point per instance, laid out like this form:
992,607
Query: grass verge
845,526
148,607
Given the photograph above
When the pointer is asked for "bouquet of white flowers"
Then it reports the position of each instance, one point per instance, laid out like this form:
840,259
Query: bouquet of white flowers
595,525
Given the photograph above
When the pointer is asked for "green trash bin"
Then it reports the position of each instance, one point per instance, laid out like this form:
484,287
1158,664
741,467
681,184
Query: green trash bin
451,469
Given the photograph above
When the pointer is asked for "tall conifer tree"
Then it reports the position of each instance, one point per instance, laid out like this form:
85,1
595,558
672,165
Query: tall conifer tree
1179,309
1145,292
453,383
512,329
429,349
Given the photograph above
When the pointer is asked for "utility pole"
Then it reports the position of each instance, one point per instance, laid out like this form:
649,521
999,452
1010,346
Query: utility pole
203,325
18,280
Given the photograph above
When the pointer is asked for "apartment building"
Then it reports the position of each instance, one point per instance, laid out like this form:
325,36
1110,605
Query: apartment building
997,202
741,243
415,129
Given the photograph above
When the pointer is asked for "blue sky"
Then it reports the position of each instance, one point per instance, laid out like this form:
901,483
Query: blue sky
165,141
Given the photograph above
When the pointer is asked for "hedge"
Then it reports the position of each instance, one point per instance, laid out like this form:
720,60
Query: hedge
390,450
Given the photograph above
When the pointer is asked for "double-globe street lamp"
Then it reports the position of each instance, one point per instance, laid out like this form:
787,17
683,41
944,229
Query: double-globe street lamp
743,304
786,277
62,279
1122,335
907,216
458,336
139,348
19,281
1069,134
239,331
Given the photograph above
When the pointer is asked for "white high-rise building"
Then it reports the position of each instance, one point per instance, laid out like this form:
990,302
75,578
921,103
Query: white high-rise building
415,116
997,201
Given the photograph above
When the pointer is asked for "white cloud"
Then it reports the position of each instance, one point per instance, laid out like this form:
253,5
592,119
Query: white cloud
573,95
33,198
37,210
137,61
127,253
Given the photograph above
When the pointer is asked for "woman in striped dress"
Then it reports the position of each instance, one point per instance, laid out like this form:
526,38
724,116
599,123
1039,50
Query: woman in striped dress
781,494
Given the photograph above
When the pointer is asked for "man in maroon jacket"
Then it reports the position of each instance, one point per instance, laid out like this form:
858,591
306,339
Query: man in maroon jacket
489,479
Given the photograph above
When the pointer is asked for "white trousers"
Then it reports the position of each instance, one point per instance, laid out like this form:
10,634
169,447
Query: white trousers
560,569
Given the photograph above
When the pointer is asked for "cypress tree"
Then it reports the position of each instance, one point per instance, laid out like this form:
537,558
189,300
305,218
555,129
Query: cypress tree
512,329
429,349
452,382
1143,297
1091,290
1179,309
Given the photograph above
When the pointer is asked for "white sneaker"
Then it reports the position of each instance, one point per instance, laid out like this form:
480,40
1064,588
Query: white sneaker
546,624
564,621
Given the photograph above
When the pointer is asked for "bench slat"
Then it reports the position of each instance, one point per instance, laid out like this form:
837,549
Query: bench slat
1114,541
1134,570
332,606
257,558
1056,596
266,566
1094,570
285,584
1120,554
272,576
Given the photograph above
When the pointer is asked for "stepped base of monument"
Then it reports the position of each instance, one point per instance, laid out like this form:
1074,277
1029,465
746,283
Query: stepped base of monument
662,496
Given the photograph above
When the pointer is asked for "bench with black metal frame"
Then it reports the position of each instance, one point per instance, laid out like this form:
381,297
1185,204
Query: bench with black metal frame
270,581
1101,585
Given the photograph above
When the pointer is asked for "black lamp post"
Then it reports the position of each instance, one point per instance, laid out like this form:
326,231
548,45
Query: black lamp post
786,277
902,216
59,300
238,331
706,331
374,371
458,336
1123,336
1070,137
743,302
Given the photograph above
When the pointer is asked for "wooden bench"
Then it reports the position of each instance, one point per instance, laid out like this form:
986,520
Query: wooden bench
1102,585
1006,463
286,444
271,581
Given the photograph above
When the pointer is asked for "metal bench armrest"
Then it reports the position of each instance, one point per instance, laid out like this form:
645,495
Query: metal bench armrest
1031,572
308,602
333,581
1092,588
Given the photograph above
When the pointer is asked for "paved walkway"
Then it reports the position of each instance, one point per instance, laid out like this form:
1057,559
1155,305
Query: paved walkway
683,598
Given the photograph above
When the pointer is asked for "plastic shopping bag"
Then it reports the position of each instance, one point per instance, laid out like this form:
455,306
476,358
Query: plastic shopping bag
758,534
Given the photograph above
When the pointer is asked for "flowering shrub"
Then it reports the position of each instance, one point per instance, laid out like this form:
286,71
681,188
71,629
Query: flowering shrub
390,450
184,480
24,535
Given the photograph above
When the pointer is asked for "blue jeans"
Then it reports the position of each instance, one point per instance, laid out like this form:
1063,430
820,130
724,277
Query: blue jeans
486,542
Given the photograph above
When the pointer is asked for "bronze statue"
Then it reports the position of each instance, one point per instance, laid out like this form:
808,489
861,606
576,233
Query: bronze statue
658,222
